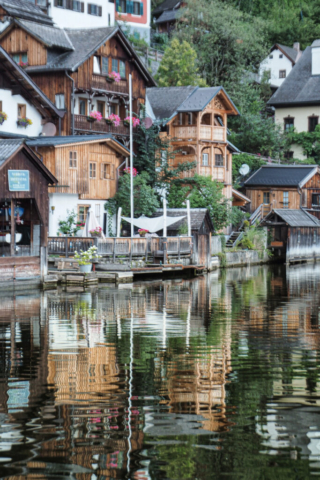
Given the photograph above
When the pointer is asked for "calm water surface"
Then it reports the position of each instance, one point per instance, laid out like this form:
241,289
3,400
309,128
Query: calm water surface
215,377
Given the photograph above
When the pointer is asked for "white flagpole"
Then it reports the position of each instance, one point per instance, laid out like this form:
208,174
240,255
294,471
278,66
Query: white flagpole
131,154
119,221
164,217
188,216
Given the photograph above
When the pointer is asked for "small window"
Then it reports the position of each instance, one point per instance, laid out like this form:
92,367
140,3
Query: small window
72,159
288,155
97,212
285,199
115,66
82,213
92,170
21,58
59,100
114,108
316,200
76,6
288,123
109,19
105,65
281,55
180,118
83,106
16,57
190,119
136,8
22,111
205,159
60,3
266,198
122,6
96,65
122,68
282,73
106,171
93,9
313,122
270,56
101,108
218,158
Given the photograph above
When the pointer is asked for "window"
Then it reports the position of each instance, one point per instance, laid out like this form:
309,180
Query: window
122,68
96,65
82,213
205,159
122,6
282,73
106,171
21,58
22,111
190,118
41,3
180,118
288,154
105,65
76,6
94,9
285,199
136,8
218,157
313,122
59,100
270,56
60,3
92,170
83,106
101,108
109,18
266,198
72,159
97,212
281,55
315,200
288,123
114,108
115,67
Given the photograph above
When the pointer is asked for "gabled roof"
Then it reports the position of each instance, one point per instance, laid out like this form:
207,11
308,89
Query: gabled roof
281,175
201,97
300,87
19,79
166,5
294,218
165,101
289,52
167,16
8,148
49,35
197,217
26,10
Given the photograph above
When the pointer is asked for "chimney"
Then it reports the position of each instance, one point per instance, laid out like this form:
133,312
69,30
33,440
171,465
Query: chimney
296,46
315,58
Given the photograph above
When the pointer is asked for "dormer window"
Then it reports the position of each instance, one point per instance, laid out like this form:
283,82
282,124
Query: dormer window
21,58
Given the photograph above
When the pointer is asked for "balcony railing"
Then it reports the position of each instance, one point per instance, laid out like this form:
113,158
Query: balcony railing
100,82
207,132
81,123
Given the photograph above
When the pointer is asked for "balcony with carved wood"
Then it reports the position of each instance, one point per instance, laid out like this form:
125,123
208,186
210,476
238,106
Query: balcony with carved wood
99,82
207,132
81,124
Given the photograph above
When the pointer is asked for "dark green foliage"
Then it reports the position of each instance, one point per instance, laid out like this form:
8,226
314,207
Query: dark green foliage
254,162
309,141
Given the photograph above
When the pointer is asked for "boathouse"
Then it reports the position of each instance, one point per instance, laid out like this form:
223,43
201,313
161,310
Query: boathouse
24,211
200,221
293,233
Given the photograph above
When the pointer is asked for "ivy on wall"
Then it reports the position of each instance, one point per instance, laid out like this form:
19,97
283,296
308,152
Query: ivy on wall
309,141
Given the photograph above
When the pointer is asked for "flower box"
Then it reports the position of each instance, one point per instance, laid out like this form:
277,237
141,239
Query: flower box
3,117
113,119
24,122
134,120
91,119
113,77
109,79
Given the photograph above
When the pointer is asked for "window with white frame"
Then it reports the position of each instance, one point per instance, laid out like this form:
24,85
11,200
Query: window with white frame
285,199
72,159
96,65
205,159
59,100
92,170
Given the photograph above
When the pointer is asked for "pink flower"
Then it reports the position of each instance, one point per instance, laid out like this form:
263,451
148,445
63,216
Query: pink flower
96,115
115,119
135,121
128,170
115,76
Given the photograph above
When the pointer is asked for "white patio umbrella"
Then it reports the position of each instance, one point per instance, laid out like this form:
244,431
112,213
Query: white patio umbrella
91,224
153,224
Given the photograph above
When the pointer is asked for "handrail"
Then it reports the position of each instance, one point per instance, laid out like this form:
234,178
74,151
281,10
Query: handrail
256,215
237,240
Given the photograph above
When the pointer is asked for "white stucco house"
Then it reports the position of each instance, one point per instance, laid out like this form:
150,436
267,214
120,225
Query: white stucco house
280,62
297,100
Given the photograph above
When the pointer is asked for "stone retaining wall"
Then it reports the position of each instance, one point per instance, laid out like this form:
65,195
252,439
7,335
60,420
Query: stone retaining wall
241,258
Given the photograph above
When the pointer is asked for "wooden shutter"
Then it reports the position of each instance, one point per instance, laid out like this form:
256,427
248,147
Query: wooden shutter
69,5
55,3
141,8
89,8
82,7
100,11
112,172
101,171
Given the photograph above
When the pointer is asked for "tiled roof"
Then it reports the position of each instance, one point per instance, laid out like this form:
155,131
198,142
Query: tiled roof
297,218
26,10
165,101
197,216
50,35
282,175
200,99
300,87
8,148
166,5
167,16
290,52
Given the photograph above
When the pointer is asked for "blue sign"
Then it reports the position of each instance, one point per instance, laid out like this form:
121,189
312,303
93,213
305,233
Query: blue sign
19,180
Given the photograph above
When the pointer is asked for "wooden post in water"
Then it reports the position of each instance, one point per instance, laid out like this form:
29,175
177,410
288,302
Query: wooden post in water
13,233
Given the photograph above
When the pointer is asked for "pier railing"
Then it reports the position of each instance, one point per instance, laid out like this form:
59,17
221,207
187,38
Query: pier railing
124,246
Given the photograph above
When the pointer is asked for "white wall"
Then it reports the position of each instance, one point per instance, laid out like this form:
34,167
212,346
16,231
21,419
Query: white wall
70,19
63,202
274,65
10,107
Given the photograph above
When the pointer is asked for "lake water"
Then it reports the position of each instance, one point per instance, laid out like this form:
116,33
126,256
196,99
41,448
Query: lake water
214,377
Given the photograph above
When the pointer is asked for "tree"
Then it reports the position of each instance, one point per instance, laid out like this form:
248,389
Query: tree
178,66
203,193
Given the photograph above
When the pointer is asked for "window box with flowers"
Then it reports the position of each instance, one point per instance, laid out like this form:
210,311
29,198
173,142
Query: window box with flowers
24,122
96,232
113,119
94,116
3,117
128,171
113,77
142,232
134,120
23,64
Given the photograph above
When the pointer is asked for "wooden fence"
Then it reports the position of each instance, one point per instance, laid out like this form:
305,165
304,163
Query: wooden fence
126,246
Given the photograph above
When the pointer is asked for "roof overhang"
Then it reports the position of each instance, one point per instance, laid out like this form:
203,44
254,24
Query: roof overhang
112,142
240,195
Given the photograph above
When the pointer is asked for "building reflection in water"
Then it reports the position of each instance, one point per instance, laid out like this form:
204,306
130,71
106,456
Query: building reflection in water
92,380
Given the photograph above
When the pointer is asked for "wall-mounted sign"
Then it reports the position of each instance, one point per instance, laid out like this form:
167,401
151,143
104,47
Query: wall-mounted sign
19,180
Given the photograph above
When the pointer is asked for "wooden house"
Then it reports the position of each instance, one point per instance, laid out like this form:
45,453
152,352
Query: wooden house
71,67
195,121
24,211
284,186
87,168
295,233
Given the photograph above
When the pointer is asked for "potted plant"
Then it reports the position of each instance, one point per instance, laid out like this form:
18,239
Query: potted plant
96,232
134,120
3,117
128,171
142,232
93,116
23,64
113,77
69,226
79,226
113,119
85,258
24,122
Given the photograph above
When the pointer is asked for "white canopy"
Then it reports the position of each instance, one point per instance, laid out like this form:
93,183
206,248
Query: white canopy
153,224
91,224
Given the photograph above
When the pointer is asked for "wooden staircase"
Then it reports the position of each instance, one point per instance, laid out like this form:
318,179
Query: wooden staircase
255,219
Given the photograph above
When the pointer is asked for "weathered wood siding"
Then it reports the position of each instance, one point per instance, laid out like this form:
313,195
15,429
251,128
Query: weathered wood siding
303,243
19,41
76,180
19,267
276,197
311,187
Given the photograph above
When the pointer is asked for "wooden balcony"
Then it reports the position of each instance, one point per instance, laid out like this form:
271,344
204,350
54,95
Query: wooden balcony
81,124
207,132
99,82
